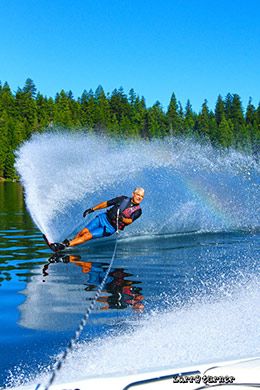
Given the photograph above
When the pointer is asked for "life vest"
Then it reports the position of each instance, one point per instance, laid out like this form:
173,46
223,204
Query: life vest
127,212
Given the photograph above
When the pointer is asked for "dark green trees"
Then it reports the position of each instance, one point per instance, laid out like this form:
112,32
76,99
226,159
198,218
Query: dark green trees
223,134
174,118
119,114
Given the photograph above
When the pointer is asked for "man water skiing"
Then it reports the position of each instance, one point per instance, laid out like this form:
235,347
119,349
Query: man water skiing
105,224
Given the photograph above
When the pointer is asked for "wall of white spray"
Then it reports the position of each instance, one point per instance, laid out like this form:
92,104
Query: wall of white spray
188,186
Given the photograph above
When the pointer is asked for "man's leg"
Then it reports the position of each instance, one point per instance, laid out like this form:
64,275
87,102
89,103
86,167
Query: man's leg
82,233
98,227
81,237
85,234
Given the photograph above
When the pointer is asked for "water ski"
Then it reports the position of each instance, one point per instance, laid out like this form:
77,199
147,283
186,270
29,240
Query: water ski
48,243
56,247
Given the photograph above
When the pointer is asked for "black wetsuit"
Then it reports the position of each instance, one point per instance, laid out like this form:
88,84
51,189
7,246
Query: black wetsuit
127,210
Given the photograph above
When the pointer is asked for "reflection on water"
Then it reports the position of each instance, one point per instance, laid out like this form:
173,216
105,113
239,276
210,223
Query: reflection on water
18,235
120,292
64,289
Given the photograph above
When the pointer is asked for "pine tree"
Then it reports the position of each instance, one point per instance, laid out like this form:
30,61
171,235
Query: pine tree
3,142
9,171
155,121
204,120
181,113
30,88
19,132
132,97
75,112
43,117
114,127
26,107
88,108
225,136
119,104
237,115
50,111
251,116
126,127
84,99
62,112
189,118
241,135
7,101
102,117
140,113
228,106
219,110
258,116
173,118
242,138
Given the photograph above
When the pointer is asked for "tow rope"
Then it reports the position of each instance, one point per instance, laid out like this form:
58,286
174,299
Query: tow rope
83,321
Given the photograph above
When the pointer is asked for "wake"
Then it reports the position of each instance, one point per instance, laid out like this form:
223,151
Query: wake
189,186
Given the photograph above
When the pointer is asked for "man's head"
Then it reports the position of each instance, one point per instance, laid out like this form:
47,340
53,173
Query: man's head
138,195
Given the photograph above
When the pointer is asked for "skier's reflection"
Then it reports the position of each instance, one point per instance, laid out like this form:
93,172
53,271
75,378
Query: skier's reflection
121,292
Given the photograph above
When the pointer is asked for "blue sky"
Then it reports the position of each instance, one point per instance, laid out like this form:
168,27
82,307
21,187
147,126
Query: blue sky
196,49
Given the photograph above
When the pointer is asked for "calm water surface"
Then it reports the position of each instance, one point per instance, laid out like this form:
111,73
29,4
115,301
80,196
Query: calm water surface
43,298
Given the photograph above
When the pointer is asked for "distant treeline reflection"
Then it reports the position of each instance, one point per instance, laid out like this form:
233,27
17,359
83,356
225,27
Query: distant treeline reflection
117,114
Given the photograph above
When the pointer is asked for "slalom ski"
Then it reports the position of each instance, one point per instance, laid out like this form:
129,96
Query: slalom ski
48,243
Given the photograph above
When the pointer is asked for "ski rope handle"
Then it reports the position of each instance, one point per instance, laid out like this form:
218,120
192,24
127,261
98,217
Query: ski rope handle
117,218
84,319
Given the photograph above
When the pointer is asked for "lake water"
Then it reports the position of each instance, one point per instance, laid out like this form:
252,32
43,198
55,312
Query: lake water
168,300
179,293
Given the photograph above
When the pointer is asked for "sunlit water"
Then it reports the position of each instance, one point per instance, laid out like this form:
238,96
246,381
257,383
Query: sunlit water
184,287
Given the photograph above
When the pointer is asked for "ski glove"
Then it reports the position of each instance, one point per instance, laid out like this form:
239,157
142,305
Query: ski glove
88,211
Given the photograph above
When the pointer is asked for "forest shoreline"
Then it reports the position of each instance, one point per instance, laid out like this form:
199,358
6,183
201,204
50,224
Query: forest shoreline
119,115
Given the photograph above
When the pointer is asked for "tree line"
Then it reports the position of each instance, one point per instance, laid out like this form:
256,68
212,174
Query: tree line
119,114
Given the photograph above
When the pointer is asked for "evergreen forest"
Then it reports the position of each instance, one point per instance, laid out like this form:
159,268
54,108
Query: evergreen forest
118,114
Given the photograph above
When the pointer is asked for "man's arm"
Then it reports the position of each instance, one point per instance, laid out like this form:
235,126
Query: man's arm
100,206
103,205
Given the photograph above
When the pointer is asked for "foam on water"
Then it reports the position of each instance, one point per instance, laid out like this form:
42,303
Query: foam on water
206,329
189,186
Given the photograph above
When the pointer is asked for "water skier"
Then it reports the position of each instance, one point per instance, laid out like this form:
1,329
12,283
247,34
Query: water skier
105,224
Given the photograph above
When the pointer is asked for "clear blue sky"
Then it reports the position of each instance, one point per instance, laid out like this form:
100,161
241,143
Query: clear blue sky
196,49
